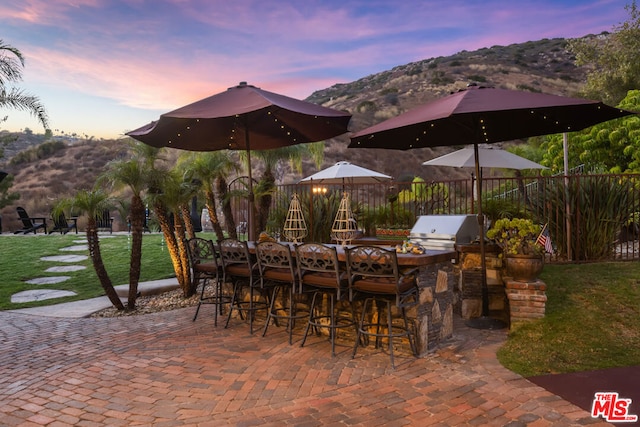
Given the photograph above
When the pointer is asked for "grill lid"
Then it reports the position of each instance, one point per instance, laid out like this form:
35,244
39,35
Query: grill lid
455,228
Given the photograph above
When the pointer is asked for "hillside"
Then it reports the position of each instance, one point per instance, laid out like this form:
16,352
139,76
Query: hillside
541,66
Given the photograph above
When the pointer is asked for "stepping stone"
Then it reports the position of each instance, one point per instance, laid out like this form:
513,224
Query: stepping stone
81,241
65,258
47,280
65,268
39,295
74,248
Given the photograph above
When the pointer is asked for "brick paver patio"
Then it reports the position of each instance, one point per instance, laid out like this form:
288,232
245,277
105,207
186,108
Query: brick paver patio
165,370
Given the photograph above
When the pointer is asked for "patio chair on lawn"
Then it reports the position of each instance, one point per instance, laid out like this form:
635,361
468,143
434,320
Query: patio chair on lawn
61,224
30,224
104,221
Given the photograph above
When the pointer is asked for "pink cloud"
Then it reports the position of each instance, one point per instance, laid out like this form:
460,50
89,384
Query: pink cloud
152,61
42,11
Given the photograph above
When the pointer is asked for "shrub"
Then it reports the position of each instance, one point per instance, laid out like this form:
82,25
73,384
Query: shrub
516,236
366,106
39,152
477,78
605,207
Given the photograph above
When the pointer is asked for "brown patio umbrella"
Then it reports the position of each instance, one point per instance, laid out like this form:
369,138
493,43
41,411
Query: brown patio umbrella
243,117
479,115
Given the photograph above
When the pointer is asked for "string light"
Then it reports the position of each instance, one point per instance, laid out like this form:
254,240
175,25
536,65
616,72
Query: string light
320,190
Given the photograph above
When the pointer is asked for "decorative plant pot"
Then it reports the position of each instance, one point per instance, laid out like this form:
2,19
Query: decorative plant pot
524,268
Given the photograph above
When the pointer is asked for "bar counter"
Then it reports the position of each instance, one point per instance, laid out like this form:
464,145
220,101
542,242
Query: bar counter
436,281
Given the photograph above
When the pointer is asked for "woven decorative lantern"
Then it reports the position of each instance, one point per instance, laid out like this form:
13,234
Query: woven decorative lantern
344,228
295,227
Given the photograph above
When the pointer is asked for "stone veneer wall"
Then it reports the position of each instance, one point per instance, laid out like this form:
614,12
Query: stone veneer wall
434,316
468,291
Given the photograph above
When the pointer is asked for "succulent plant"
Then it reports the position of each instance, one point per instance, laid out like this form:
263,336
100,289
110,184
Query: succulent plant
516,236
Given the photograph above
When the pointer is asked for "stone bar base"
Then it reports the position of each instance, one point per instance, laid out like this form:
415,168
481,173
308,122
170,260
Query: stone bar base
527,300
432,318
434,314
468,292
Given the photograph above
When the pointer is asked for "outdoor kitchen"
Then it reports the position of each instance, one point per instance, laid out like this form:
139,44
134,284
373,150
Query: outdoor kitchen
454,287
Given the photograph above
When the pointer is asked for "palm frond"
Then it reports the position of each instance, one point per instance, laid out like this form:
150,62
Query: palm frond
19,100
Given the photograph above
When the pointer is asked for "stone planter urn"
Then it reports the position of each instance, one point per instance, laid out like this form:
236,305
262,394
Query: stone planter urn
524,268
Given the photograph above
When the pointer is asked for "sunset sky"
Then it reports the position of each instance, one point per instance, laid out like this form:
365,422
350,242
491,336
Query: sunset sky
104,67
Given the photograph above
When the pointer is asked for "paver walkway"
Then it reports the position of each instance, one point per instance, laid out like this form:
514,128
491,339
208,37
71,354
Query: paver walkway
165,370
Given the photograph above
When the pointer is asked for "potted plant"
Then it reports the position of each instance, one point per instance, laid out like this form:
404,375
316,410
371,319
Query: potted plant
523,256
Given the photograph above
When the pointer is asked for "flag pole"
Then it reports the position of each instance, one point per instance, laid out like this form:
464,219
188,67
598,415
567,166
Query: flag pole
541,231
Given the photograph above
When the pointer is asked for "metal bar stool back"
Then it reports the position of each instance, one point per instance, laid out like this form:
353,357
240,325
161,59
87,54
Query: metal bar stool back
278,272
375,277
205,267
240,268
320,271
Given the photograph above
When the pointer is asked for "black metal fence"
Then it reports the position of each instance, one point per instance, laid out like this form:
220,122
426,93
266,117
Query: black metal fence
589,217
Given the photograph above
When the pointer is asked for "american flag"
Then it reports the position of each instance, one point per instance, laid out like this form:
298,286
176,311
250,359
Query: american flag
544,239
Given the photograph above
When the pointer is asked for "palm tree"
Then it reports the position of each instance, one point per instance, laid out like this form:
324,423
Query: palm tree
170,194
93,202
294,154
213,167
11,64
133,173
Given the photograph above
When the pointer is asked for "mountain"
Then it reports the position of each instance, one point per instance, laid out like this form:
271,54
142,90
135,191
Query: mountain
48,171
541,66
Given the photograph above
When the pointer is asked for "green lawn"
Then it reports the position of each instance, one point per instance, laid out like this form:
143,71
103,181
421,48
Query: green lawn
20,261
592,321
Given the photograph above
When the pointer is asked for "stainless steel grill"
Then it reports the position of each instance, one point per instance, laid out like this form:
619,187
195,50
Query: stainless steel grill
444,231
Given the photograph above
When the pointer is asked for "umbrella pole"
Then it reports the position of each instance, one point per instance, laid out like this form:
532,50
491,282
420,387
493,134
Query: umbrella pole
484,321
252,233
473,202
311,211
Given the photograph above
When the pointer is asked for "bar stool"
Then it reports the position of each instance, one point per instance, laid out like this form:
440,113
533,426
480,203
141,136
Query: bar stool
374,275
205,267
319,271
238,267
278,272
